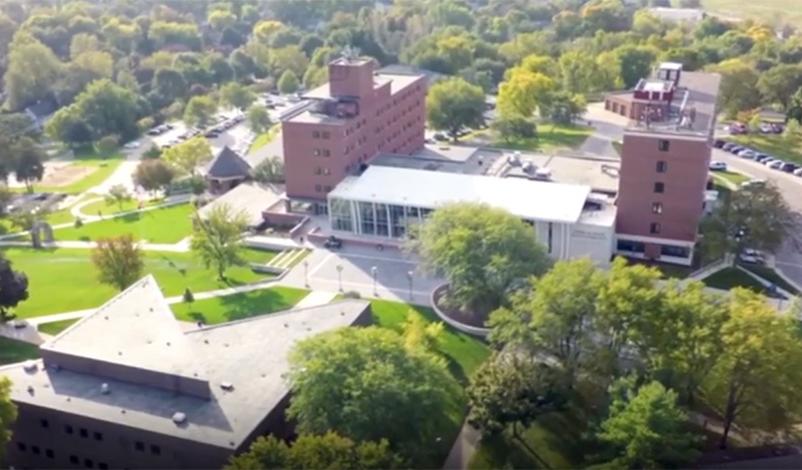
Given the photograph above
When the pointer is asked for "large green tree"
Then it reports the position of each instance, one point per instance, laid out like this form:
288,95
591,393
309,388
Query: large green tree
363,383
118,261
524,92
217,238
199,111
755,380
236,95
13,290
185,157
8,414
482,251
779,83
738,90
645,428
635,63
454,104
32,70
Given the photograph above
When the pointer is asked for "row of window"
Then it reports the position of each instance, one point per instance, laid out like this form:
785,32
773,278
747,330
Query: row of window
665,250
321,134
83,432
50,454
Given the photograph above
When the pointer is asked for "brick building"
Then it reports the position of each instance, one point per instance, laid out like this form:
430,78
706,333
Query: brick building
128,387
664,163
356,115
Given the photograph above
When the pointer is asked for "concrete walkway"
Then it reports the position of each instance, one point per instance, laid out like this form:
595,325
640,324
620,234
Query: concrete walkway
180,247
464,447
316,298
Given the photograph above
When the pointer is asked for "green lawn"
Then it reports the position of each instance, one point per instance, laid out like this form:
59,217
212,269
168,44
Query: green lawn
771,276
62,280
730,177
265,138
165,225
730,278
549,136
773,144
56,327
104,166
108,209
771,11
12,351
239,306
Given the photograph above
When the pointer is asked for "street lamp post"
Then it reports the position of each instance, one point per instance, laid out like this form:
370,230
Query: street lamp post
375,272
409,276
340,276
306,273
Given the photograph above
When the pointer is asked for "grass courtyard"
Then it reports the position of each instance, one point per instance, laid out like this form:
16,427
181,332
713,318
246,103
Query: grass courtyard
62,280
773,12
549,137
265,137
730,177
730,278
164,225
12,351
56,327
238,306
105,208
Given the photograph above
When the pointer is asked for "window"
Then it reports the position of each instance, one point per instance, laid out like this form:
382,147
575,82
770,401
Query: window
659,187
631,246
316,152
327,188
654,227
326,153
657,208
44,423
68,429
318,188
326,134
672,250
663,145
84,432
74,459
662,166
35,450
155,450
98,436
49,453
102,465
139,445
318,171
88,463
315,134
21,446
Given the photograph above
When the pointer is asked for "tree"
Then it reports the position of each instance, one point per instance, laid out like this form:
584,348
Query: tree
185,157
523,93
738,90
216,239
29,167
271,170
754,216
564,108
167,86
646,428
418,333
794,112
107,145
32,70
118,194
756,378
199,111
779,83
118,261
453,104
13,290
635,62
364,384
258,119
8,414
509,389
514,127
555,316
188,296
288,82
328,450
482,251
236,95
153,175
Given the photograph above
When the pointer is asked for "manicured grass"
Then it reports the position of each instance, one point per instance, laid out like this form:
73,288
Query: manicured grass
239,306
775,145
771,276
56,327
549,136
265,138
730,278
104,167
60,217
785,11
730,177
165,225
108,209
12,351
63,280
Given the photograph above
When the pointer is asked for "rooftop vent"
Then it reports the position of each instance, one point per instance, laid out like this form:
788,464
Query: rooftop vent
227,386
30,366
179,417
104,388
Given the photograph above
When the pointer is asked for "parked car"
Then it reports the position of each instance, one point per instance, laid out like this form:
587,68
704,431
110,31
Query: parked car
754,183
718,166
728,146
747,153
752,256
761,157
718,143
735,149
798,172
333,243
777,128
776,164
738,128
440,137
131,145
789,167
769,161
212,134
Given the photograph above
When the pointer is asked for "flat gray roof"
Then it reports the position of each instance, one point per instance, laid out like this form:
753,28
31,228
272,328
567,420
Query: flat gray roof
250,198
249,354
532,200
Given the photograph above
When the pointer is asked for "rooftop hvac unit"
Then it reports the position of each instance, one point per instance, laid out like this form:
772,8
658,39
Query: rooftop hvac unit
227,386
105,389
30,366
179,417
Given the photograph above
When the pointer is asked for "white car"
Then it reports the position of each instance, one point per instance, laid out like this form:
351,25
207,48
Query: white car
769,161
798,172
132,145
747,153
752,256
776,164
718,166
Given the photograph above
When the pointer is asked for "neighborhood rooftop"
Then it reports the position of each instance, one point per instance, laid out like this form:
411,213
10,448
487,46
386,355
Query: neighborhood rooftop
531,200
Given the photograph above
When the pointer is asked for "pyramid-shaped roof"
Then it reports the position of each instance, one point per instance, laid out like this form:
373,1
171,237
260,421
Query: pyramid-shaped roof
228,164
